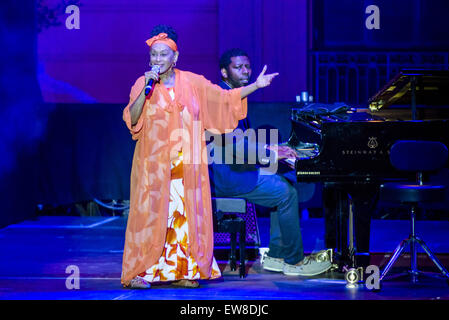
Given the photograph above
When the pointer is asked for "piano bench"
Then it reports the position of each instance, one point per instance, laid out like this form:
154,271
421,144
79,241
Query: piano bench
226,221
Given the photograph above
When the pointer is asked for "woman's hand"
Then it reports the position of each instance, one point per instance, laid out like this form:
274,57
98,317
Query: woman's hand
151,75
264,80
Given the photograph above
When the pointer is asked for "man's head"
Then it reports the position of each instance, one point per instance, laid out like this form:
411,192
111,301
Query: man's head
235,68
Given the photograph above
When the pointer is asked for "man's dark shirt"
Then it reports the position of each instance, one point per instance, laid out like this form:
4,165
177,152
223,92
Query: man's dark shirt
233,179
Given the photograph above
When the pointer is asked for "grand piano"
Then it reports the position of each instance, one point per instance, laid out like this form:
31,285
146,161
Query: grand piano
347,150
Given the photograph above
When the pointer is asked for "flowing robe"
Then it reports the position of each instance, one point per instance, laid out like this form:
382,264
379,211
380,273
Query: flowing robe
164,128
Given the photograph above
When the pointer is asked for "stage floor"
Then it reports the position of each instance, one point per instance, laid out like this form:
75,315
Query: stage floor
38,257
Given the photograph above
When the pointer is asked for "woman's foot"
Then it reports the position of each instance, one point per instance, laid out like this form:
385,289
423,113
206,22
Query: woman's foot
186,283
139,283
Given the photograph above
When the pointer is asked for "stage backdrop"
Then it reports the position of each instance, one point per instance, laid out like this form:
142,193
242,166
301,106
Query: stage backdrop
21,115
92,51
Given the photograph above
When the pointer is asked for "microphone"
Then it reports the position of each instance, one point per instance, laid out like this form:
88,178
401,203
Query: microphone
150,83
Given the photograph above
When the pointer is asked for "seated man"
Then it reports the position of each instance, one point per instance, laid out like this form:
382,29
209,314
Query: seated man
251,181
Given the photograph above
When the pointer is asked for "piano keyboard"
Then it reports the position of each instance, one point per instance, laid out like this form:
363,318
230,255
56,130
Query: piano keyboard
302,153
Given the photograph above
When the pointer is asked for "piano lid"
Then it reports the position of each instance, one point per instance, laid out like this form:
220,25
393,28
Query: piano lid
431,87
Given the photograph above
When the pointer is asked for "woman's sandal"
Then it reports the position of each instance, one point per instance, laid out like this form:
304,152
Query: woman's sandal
186,283
139,283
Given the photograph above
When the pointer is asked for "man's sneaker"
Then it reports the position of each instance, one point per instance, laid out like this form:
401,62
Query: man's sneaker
272,264
307,267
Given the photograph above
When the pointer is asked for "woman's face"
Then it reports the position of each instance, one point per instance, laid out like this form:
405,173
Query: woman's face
163,56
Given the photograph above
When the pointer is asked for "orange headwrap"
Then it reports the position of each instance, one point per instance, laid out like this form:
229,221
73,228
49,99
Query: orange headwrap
162,38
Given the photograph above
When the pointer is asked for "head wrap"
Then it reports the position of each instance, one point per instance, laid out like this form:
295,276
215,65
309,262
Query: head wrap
162,38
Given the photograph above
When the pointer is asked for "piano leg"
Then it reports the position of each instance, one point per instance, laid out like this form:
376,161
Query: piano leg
336,213
335,207
365,199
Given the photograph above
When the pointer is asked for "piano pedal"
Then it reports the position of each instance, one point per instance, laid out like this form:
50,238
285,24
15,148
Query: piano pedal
334,267
324,255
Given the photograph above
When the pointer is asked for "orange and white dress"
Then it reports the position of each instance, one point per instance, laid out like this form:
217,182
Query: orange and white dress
175,263
169,233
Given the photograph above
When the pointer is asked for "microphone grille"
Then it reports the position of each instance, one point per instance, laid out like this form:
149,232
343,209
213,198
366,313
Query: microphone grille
156,68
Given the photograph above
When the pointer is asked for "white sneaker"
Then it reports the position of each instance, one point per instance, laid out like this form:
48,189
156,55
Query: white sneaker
307,267
272,264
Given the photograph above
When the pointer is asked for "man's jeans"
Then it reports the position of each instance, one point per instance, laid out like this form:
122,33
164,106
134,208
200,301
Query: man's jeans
274,191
